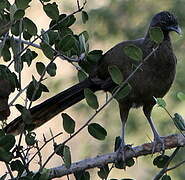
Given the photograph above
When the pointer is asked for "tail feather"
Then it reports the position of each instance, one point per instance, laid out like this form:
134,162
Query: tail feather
48,109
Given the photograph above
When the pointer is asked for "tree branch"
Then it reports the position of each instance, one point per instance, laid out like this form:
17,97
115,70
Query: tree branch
171,141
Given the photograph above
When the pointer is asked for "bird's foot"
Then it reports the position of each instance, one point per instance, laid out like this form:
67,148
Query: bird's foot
158,141
121,151
121,155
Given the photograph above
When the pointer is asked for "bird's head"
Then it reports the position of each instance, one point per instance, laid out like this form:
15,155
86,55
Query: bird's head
166,21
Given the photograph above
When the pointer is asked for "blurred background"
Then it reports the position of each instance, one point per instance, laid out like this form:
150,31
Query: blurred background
110,22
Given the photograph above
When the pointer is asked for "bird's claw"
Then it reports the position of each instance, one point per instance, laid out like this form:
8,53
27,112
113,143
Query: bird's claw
121,151
158,141
121,155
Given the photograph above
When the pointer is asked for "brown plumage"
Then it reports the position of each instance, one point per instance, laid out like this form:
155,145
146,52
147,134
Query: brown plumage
153,79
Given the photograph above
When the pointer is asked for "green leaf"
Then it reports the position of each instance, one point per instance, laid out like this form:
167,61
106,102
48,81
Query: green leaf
67,22
166,177
86,36
59,149
30,138
156,35
91,98
43,88
47,50
22,4
6,54
103,172
115,74
26,116
2,133
85,17
12,10
4,4
53,37
160,161
45,174
51,10
51,69
19,107
133,52
120,165
68,123
83,46
97,131
30,92
181,96
64,31
26,35
30,26
179,121
40,68
29,56
45,36
15,28
63,21
82,175
94,55
19,14
66,43
67,157
17,166
5,155
7,142
160,102
81,76
123,92
130,162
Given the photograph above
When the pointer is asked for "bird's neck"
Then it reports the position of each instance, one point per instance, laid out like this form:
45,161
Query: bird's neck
151,43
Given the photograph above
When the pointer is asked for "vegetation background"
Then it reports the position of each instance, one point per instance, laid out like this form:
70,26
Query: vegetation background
110,22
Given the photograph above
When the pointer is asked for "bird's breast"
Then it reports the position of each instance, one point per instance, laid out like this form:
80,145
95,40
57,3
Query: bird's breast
155,76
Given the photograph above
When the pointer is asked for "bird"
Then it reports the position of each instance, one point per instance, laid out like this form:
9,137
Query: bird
153,79
5,90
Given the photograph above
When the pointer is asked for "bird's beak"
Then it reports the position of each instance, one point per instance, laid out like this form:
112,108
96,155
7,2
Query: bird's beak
177,29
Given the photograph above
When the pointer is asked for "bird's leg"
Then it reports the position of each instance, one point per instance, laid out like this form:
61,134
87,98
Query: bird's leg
147,109
124,110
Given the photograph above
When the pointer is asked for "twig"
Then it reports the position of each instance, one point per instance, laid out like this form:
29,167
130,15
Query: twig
19,57
9,171
39,154
46,142
177,165
19,93
161,173
78,4
52,135
22,41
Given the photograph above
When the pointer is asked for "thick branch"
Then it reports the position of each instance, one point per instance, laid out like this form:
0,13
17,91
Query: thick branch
171,141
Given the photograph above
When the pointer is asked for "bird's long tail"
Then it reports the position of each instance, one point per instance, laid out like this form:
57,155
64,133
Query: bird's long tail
48,109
